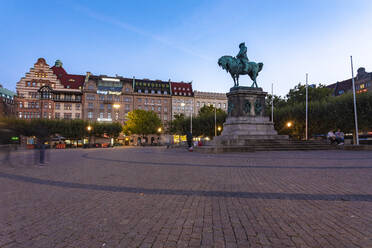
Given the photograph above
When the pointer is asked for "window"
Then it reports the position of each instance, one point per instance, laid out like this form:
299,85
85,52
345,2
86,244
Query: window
109,107
109,115
139,90
77,115
165,109
77,106
152,101
146,91
165,92
127,89
91,97
117,98
139,107
101,106
224,105
146,100
33,84
159,101
20,114
165,101
128,100
90,115
109,97
139,100
197,104
152,108
57,115
58,106
91,87
165,117
159,108
68,97
20,105
146,108
67,116
90,105
116,115
159,92
68,106
127,107
101,115
219,105
101,97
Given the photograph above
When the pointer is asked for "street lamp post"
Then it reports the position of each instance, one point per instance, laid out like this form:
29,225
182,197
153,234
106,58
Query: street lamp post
306,131
215,120
89,129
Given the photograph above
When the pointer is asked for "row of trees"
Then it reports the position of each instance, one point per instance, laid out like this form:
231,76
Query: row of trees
44,129
325,111
202,125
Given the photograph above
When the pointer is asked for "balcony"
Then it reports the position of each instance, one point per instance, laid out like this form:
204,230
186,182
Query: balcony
66,100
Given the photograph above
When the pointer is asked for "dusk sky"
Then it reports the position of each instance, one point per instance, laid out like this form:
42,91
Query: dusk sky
182,40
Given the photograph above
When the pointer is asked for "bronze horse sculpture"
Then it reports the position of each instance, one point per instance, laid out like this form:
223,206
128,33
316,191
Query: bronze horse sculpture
235,67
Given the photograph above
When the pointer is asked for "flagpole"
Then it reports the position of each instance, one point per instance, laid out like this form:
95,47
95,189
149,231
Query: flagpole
306,134
272,102
355,109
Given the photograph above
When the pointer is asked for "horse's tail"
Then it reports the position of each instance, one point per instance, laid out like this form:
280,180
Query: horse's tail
260,65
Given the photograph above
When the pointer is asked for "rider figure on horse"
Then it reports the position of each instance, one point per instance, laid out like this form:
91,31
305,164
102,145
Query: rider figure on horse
242,56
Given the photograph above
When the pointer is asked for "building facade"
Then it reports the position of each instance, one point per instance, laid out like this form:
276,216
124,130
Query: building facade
153,95
7,106
363,83
182,99
43,93
201,99
107,99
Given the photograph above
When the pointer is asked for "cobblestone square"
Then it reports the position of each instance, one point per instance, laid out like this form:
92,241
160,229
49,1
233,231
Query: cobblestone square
157,197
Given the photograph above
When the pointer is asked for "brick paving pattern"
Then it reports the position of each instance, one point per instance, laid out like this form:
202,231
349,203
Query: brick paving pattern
154,197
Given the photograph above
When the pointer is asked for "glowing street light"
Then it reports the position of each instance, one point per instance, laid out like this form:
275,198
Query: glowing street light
289,124
89,128
219,128
159,130
116,106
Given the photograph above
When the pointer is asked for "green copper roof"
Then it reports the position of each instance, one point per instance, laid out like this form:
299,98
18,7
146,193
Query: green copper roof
7,92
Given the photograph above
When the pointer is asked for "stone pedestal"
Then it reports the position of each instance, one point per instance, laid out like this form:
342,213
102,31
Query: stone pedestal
246,118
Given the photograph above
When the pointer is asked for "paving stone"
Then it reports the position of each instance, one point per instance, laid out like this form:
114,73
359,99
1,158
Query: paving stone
156,197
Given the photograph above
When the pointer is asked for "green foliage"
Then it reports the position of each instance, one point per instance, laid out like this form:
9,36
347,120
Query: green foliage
202,125
43,129
142,122
298,94
325,114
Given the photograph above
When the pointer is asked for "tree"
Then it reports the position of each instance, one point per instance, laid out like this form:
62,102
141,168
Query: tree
203,123
142,122
317,93
325,114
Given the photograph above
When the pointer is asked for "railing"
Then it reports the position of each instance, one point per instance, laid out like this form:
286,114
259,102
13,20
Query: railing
66,100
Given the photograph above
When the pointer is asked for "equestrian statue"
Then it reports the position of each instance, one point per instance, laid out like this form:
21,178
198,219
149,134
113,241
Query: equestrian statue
240,65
